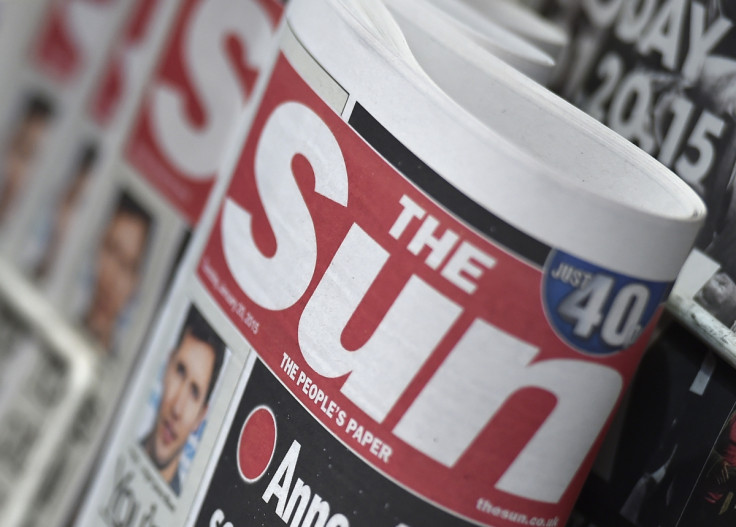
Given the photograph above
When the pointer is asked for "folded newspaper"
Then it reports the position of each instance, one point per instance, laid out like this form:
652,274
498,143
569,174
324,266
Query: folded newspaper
419,301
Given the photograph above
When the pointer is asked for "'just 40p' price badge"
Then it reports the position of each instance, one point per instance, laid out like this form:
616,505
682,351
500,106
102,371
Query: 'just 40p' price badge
595,310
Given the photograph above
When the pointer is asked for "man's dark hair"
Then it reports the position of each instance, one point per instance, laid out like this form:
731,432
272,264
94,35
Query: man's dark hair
196,326
127,205
38,106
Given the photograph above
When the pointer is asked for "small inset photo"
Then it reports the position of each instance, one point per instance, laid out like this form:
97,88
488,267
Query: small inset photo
176,410
115,271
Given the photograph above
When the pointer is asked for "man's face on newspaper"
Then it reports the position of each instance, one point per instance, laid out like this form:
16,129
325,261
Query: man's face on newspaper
119,261
183,402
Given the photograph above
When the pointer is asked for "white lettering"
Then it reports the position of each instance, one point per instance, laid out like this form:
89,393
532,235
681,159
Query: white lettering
196,150
338,520
702,41
296,501
285,472
662,31
217,519
411,210
300,494
440,247
492,366
630,111
633,19
318,512
467,263
417,320
602,13
277,282
663,34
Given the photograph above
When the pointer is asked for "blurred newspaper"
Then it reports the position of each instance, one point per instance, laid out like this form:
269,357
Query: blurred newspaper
112,136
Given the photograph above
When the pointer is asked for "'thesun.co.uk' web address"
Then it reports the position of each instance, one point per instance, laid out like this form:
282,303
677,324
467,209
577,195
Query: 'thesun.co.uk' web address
519,518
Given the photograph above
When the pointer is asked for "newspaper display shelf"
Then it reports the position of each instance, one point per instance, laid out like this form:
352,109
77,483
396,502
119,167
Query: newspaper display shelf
142,230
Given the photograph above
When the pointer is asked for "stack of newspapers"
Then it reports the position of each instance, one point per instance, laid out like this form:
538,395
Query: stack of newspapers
329,262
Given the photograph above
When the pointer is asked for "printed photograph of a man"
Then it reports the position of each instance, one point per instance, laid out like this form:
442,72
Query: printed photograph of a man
189,378
22,147
118,268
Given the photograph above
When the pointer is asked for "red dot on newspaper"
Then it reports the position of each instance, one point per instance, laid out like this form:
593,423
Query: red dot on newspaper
256,444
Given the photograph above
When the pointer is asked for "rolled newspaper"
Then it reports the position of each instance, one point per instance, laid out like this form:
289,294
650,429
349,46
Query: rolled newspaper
419,302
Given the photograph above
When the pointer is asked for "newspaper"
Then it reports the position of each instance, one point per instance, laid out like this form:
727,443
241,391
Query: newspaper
105,243
64,49
35,246
389,319
94,145
115,219
661,74
517,18
39,109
